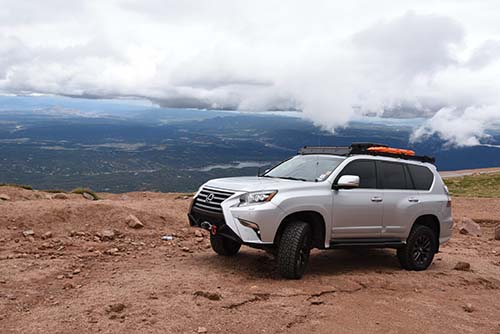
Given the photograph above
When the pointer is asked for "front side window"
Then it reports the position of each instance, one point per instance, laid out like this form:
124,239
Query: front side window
314,168
365,169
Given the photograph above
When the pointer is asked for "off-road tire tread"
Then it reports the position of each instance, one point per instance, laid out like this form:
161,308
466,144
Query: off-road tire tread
289,247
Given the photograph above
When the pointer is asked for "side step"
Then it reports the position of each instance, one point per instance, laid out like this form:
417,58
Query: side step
369,242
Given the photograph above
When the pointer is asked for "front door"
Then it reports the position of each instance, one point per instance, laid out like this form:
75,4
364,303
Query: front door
357,213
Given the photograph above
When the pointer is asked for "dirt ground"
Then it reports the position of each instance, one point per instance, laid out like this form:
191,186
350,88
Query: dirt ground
77,281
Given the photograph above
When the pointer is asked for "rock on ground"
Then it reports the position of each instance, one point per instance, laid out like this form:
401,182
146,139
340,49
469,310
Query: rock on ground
133,222
88,196
463,266
470,227
60,196
497,232
117,307
107,235
4,197
28,233
47,235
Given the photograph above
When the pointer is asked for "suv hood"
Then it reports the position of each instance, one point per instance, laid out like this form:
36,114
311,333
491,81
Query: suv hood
255,183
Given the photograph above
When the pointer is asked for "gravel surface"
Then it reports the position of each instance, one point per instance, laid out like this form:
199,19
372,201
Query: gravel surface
84,270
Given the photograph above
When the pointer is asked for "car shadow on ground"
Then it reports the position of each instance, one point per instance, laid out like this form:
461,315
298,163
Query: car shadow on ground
259,264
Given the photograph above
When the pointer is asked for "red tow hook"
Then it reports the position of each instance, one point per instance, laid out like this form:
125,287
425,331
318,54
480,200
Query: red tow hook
213,229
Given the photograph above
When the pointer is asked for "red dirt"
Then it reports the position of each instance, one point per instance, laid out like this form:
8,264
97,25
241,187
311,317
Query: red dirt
67,283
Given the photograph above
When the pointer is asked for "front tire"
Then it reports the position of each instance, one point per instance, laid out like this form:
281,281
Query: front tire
419,250
294,249
224,246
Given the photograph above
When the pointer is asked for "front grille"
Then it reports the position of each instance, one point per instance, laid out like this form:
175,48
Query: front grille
209,199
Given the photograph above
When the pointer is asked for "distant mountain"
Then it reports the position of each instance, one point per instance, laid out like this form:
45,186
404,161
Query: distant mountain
51,142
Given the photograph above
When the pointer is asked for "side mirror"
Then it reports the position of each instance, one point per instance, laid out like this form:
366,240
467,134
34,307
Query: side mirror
347,182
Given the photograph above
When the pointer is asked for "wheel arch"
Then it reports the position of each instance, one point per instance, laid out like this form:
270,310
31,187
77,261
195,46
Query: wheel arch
432,222
313,218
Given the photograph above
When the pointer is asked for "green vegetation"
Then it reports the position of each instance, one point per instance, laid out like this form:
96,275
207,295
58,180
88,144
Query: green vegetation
23,186
480,185
82,191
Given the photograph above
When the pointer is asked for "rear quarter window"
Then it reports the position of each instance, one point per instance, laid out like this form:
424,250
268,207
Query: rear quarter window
422,177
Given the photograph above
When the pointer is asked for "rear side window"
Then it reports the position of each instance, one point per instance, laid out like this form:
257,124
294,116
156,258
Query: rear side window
393,175
422,177
365,169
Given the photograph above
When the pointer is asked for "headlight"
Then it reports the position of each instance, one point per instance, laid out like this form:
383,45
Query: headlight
257,197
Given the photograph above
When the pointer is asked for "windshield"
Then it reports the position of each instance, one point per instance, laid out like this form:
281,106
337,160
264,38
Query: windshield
313,168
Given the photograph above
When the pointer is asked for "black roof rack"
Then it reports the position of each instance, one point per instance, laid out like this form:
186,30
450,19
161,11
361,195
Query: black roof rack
361,148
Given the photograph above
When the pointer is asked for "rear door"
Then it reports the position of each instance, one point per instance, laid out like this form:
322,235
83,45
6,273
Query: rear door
401,200
357,213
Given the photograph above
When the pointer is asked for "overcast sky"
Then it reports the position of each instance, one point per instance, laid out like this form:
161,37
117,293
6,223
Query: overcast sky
334,60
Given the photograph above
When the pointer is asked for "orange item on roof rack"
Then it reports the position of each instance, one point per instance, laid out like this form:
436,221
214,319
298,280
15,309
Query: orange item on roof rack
391,150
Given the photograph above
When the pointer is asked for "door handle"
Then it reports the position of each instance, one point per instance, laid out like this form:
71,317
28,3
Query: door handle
413,200
376,199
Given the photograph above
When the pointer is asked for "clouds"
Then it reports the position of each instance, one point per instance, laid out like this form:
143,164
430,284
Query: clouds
334,61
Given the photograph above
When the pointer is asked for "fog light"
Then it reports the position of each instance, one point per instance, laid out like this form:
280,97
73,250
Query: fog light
247,223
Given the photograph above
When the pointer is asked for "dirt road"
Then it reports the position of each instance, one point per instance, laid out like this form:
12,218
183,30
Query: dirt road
84,279
464,172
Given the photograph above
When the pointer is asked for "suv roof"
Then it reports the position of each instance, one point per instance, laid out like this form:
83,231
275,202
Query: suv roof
364,148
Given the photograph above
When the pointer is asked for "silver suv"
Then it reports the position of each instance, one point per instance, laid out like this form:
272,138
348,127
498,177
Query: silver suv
330,197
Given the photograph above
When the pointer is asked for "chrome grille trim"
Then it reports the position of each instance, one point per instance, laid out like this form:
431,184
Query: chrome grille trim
214,205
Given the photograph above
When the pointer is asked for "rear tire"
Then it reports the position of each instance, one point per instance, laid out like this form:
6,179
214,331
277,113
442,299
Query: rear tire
294,249
419,250
224,246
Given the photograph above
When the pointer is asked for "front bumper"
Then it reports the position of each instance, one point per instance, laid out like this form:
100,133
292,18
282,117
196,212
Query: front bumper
197,217
228,222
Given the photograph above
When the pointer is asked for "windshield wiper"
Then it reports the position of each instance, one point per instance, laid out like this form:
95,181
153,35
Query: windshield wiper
291,178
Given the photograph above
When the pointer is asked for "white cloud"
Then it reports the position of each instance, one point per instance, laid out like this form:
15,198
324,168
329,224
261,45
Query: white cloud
333,60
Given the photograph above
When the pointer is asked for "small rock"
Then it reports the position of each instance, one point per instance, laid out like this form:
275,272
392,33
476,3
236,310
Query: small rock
497,232
68,286
469,308
60,276
107,235
118,307
76,271
60,196
88,196
133,222
28,233
47,235
469,227
112,251
200,239
198,234
202,330
30,238
185,249
463,266
208,295
4,197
